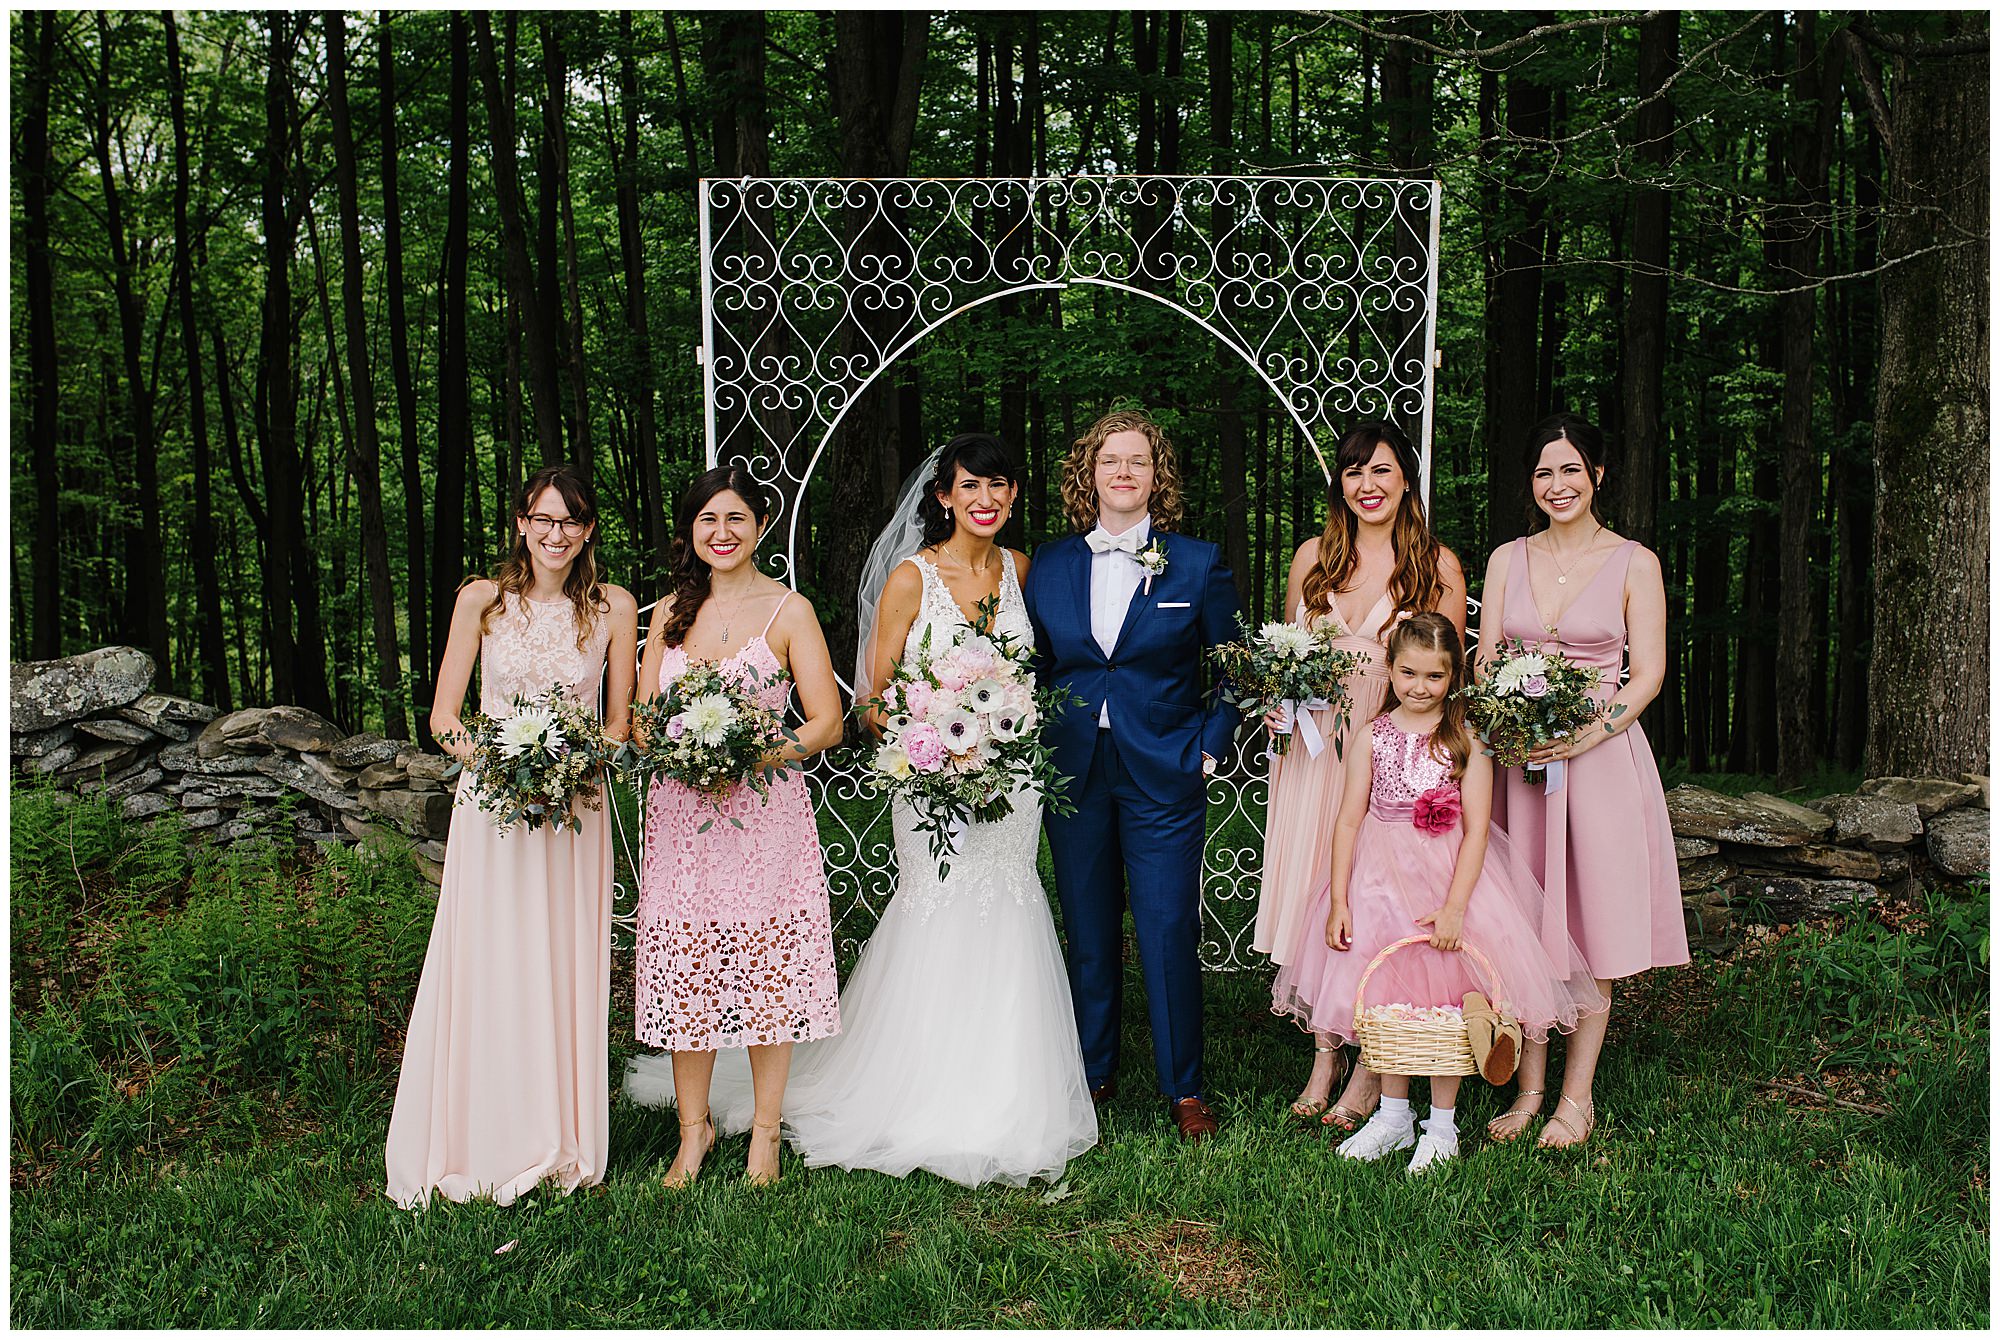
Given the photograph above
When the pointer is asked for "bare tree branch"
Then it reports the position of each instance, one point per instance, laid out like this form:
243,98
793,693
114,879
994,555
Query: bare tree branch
1476,53
1972,44
1871,85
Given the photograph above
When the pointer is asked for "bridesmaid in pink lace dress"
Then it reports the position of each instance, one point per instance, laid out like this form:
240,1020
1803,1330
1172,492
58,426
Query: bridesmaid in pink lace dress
1600,844
735,942
1377,563
504,1078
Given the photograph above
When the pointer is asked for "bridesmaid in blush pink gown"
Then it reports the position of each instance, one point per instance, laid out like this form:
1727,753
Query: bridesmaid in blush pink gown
1600,842
1376,556
735,939
504,1080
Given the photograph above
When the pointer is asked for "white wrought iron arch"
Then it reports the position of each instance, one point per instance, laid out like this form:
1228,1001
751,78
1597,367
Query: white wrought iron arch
812,288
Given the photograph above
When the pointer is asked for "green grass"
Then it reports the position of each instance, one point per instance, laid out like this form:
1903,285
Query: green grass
204,1052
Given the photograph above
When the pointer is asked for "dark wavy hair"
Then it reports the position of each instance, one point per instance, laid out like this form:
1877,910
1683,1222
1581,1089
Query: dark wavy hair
585,584
687,574
1414,585
984,456
1588,440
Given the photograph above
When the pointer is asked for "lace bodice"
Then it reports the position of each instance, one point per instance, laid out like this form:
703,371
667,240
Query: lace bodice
996,860
1404,768
940,613
530,645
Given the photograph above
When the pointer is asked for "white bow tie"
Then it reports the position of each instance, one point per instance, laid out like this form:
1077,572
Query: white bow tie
1102,541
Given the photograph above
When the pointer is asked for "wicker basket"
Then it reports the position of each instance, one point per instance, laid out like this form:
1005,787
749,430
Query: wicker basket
1416,1046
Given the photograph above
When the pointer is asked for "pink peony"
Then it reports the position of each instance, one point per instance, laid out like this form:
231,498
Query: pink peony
924,746
917,699
1534,686
1436,810
952,677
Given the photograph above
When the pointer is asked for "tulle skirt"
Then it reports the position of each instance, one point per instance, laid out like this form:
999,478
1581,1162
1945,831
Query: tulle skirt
1400,874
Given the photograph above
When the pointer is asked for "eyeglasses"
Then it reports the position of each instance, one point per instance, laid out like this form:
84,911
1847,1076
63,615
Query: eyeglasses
571,526
1113,464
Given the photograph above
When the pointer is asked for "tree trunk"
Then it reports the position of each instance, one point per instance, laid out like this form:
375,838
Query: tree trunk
146,611
207,584
365,445
1231,435
1512,348
422,686
1853,472
537,320
1815,96
555,132
454,419
1645,350
1929,713
878,62
632,255
33,169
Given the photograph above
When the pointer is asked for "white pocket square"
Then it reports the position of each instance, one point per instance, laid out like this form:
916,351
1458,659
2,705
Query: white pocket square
1173,604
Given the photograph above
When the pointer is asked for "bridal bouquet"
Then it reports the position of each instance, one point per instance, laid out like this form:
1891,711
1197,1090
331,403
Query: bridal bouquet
1525,699
964,732
1282,664
536,763
709,732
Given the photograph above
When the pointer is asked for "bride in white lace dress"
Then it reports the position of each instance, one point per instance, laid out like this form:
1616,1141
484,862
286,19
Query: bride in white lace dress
958,1052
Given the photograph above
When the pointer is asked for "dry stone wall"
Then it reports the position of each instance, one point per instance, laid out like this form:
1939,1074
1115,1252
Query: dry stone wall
92,723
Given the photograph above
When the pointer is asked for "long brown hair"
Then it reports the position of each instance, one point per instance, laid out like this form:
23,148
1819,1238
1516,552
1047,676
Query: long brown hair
1580,433
585,585
1079,477
1430,631
1414,585
687,574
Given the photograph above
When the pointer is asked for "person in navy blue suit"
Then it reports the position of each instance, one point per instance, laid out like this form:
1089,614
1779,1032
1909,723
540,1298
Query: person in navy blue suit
1124,614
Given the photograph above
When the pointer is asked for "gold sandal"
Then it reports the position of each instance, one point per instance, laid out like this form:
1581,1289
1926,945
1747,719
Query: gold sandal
1499,1136
1306,1111
673,1182
1345,1118
774,1128
1582,1133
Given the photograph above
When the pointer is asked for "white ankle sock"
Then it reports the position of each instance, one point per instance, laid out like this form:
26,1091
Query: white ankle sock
1394,1109
1443,1121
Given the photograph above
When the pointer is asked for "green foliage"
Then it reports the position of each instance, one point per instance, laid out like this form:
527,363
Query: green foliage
158,986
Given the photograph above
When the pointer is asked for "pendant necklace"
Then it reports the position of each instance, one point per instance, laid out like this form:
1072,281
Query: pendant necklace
1562,578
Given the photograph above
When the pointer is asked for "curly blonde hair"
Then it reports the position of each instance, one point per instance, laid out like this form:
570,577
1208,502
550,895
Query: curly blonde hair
1079,476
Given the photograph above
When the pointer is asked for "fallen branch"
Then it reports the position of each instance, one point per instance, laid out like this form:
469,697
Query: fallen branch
1870,1108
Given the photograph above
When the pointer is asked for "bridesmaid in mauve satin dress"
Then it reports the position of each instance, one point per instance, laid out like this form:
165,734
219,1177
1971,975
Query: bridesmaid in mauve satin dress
1599,841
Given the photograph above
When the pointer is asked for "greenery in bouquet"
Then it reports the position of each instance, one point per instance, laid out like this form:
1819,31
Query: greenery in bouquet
1526,698
538,762
964,732
1283,663
709,732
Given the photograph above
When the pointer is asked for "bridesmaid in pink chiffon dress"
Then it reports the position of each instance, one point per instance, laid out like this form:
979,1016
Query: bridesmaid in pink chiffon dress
1600,842
1376,539
503,1081
735,939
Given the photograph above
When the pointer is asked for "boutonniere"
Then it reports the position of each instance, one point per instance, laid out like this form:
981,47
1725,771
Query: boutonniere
1152,561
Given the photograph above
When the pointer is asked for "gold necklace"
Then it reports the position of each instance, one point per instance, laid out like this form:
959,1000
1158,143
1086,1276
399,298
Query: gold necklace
977,572
1562,579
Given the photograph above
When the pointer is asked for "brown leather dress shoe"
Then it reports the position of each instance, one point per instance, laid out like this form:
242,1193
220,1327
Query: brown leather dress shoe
1104,1092
1194,1119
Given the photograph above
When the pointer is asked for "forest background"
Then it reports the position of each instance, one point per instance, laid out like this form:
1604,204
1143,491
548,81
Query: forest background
299,298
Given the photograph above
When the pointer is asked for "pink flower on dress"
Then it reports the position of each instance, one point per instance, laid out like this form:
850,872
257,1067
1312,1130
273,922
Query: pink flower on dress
924,746
1534,686
1436,810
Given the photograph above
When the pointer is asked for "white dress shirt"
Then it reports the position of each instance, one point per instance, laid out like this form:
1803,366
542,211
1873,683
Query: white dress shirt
1114,577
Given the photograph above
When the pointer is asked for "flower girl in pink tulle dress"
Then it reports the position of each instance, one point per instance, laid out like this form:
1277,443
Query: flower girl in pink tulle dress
1412,848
